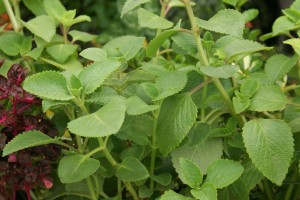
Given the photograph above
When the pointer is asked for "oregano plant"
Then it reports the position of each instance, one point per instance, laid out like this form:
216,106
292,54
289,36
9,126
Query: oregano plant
201,110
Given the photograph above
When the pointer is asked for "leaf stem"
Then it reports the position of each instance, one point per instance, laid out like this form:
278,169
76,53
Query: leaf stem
11,15
66,145
131,190
91,188
291,186
198,87
268,189
16,4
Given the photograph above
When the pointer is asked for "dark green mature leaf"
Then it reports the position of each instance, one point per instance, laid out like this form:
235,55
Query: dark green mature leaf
278,65
76,167
11,43
27,139
237,190
130,5
268,98
269,143
251,175
95,74
171,195
225,21
190,173
177,116
163,179
222,173
131,169
94,54
104,122
42,26
35,6
61,52
49,85
249,87
226,71
206,192
150,20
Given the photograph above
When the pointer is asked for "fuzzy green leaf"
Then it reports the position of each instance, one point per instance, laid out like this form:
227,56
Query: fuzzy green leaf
94,54
226,71
171,195
177,116
222,173
150,20
268,98
206,192
170,83
295,43
185,41
95,74
81,36
74,168
131,4
282,25
156,43
104,122
42,26
35,53
27,139
251,175
269,143
278,65
55,9
163,179
10,43
35,6
131,47
61,52
225,21
190,173
131,169
49,85
250,14
237,190
136,106
249,87
240,105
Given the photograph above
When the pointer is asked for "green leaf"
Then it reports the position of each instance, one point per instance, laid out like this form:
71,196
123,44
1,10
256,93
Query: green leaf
292,13
225,21
206,192
104,122
35,6
42,26
61,52
55,9
170,83
145,192
156,43
74,168
240,105
295,125
237,190
190,173
282,25
163,179
35,53
132,46
136,106
226,71
68,19
250,14
95,74
26,45
130,5
94,54
27,139
176,118
10,43
171,195
231,2
249,87
269,143
251,175
81,36
49,85
202,154
295,43
131,169
278,65
185,41
47,104
150,20
222,173
268,98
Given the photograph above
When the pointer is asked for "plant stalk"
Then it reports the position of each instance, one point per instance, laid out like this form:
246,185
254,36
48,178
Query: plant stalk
268,189
91,188
11,15
291,186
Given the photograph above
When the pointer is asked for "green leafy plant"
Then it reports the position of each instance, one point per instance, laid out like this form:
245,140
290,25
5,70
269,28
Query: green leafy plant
203,112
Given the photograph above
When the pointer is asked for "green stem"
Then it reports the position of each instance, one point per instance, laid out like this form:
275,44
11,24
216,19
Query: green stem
91,188
119,189
268,189
11,15
16,4
291,87
131,190
291,186
89,154
66,145
51,62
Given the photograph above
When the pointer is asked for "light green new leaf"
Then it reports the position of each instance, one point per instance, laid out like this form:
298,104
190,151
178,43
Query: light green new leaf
104,122
26,45
249,87
237,190
295,43
35,6
295,125
177,116
81,36
170,83
131,47
171,195
268,98
226,71
283,25
222,173
27,139
190,173
206,192
240,105
156,43
55,9
74,168
250,14
35,53
225,21
269,143
131,169
11,43
150,20
61,52
131,4
48,85
136,106
278,65
95,74
94,54
42,26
